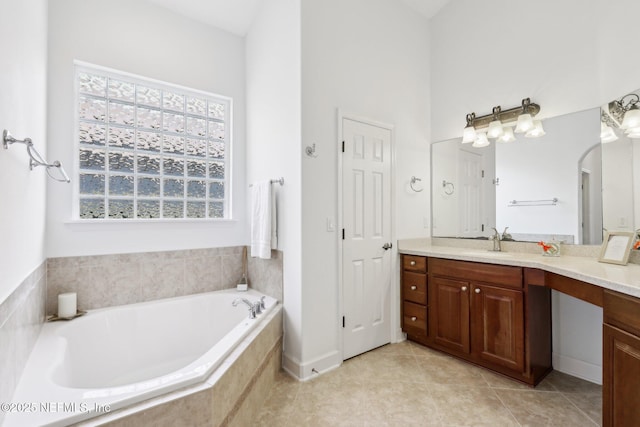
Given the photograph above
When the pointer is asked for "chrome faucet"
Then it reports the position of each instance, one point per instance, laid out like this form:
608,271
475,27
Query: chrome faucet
253,308
496,241
505,235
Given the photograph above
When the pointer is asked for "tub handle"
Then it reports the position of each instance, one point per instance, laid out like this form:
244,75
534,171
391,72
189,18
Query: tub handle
262,305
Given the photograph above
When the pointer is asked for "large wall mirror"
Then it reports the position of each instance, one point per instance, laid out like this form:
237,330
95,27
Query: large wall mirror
565,184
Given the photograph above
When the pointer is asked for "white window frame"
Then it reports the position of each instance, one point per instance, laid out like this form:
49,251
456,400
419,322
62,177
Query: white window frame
83,67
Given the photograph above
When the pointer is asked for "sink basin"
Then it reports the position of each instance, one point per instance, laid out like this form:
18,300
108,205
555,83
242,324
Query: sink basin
487,254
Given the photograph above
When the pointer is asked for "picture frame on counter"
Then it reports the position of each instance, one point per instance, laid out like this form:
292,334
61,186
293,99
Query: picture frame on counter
616,247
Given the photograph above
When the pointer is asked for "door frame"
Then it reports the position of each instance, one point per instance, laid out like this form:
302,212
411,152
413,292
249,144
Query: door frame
394,320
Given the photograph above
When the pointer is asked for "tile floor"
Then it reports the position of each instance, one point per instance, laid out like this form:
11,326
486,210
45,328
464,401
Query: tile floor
409,385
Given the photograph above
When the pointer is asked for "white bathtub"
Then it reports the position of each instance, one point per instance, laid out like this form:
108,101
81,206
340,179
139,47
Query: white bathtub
114,357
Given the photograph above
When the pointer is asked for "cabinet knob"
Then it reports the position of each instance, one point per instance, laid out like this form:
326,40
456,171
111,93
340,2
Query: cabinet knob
414,318
412,263
477,291
414,287
464,289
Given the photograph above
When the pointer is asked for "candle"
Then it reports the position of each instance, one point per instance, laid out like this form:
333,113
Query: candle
67,304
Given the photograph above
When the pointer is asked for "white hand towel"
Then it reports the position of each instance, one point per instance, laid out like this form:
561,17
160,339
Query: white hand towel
274,220
261,219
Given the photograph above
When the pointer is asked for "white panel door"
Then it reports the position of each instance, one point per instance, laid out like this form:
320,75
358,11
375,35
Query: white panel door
470,171
366,264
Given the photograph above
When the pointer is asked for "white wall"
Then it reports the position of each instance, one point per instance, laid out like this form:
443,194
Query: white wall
273,139
136,37
617,185
445,207
369,58
23,79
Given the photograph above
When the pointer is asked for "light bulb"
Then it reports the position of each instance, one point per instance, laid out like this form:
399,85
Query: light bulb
495,129
469,134
536,131
631,118
481,141
507,136
632,133
524,123
606,133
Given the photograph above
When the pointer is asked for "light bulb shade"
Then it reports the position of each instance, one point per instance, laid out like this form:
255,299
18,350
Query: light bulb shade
524,123
631,118
607,134
536,131
481,141
507,136
469,134
632,133
495,129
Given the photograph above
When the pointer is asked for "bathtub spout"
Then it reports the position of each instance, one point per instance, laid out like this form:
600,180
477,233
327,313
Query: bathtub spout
252,307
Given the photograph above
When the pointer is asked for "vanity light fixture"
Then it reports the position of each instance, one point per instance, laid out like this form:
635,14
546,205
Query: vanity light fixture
624,113
606,133
499,124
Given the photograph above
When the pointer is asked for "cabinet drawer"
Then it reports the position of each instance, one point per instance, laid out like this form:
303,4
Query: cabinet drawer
414,263
478,272
414,287
622,311
414,317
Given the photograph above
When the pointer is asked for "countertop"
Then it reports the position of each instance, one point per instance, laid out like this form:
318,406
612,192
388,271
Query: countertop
621,278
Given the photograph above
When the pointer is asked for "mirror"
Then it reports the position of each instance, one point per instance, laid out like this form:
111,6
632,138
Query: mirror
534,186
620,154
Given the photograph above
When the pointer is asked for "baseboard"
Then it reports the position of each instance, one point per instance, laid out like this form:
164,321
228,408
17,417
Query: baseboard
308,370
577,368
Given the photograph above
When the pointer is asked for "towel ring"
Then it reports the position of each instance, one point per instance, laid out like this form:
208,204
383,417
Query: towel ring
449,188
413,181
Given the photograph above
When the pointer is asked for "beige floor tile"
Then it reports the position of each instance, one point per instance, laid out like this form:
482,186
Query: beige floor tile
568,384
460,405
589,403
543,408
409,385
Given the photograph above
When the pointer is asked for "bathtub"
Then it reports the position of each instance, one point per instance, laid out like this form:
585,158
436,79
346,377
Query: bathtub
118,356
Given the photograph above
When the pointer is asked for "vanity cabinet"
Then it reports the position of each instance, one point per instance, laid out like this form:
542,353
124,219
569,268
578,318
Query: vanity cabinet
480,312
621,361
414,297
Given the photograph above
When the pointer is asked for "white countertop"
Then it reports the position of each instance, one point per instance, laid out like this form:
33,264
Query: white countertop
621,278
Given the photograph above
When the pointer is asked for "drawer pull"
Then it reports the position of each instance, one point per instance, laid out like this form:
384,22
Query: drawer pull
414,287
477,291
414,318
412,263
464,289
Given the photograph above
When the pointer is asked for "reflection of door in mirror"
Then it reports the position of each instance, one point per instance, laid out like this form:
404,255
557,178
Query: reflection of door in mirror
463,194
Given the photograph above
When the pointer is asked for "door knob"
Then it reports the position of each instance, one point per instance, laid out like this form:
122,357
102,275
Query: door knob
477,291
464,289
414,287
387,246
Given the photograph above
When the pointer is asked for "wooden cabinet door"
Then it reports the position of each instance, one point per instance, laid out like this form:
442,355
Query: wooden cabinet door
498,326
449,313
621,378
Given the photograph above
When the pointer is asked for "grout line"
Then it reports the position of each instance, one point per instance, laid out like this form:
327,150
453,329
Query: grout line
506,406
580,410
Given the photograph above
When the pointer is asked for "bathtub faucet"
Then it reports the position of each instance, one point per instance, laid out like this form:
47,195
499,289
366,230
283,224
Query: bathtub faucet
253,308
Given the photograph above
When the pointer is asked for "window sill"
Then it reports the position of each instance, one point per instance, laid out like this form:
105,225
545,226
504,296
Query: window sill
81,223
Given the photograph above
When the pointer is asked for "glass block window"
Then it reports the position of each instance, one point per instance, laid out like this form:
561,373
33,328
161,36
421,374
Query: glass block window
148,149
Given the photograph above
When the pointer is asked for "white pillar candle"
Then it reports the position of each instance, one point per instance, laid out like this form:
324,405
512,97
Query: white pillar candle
67,304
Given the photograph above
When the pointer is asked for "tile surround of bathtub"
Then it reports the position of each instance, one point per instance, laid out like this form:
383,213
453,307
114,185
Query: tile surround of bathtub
21,317
109,280
265,275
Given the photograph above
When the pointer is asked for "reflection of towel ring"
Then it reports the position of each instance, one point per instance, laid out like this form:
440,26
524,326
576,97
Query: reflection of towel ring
413,181
449,188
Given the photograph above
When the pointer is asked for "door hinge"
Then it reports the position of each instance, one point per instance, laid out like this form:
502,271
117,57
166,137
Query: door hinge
482,227
343,234
343,321
483,173
343,146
